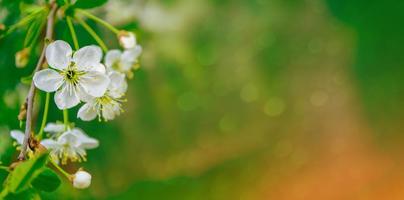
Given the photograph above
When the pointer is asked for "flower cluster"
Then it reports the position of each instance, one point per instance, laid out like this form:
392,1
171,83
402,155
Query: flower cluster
83,76
76,77
64,145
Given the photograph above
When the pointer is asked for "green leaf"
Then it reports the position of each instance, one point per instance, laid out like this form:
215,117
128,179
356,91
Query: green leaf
21,177
29,194
87,4
7,152
30,8
60,3
34,29
47,181
3,175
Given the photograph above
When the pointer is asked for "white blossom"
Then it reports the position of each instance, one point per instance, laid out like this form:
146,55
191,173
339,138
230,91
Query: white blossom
127,39
74,77
123,62
109,105
81,179
70,145
54,128
18,136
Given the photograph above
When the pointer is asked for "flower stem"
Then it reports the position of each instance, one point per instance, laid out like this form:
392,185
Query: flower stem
93,34
31,92
66,118
61,170
102,22
72,32
45,116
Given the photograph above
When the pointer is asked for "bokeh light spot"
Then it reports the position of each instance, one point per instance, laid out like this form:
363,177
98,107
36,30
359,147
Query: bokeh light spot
318,98
249,93
275,106
227,123
188,101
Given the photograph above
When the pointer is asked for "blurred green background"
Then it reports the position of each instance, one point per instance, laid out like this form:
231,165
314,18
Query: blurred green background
242,99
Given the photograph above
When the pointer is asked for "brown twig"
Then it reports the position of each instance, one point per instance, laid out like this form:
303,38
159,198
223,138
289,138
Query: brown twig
31,93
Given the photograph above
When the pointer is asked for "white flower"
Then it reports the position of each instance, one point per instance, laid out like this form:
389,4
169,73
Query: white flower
71,145
123,62
81,179
118,86
127,39
18,136
72,77
54,128
109,105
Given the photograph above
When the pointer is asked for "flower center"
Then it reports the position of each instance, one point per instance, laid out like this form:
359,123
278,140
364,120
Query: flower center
117,65
71,74
104,100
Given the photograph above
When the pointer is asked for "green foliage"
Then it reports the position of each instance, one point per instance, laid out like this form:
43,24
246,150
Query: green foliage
47,181
87,4
30,8
29,194
60,2
379,61
3,175
21,177
34,29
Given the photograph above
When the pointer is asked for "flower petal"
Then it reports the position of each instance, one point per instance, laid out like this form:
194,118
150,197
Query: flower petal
83,95
109,111
69,138
87,57
58,54
99,68
85,141
66,97
50,144
94,83
54,128
126,66
112,57
87,112
118,85
131,55
48,80
18,136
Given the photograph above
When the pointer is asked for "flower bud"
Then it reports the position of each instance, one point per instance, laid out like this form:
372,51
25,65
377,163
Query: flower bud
22,58
23,112
127,39
81,179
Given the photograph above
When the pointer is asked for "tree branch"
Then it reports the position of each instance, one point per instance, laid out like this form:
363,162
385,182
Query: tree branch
31,93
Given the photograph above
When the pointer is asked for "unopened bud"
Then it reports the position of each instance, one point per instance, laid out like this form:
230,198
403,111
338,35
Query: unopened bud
81,179
127,39
22,58
23,112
